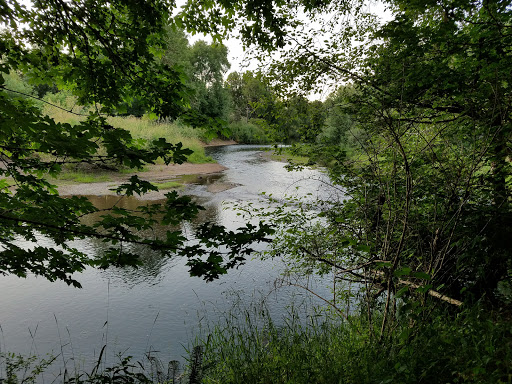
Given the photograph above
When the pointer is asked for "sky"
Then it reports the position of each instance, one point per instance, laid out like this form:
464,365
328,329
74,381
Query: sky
241,59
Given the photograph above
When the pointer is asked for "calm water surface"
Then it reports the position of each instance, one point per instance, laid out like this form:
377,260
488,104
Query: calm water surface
157,307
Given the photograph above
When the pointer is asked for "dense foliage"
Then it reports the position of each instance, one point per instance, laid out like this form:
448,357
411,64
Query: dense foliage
419,141
105,54
417,137
416,134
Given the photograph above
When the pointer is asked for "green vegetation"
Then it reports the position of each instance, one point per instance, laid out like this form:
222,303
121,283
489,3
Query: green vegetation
416,134
249,347
289,155
260,115
205,65
418,140
142,128
83,177
139,127
250,132
168,185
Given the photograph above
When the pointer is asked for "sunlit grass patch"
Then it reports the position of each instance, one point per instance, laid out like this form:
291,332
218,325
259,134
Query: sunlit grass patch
288,157
173,132
168,185
131,171
83,177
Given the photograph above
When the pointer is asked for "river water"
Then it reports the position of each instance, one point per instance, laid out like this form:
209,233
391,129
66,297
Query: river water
157,307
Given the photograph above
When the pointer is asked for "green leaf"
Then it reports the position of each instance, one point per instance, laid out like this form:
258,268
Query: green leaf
401,291
404,271
422,275
363,248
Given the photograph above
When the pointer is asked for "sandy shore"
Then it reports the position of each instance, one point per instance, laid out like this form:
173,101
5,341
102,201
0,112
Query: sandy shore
153,173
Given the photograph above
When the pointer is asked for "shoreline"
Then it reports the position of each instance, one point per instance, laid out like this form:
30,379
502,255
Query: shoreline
219,143
155,173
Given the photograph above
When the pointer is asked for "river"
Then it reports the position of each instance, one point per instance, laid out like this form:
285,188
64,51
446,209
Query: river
157,307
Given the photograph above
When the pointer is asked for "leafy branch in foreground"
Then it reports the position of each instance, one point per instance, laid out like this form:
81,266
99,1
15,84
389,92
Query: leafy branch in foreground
104,53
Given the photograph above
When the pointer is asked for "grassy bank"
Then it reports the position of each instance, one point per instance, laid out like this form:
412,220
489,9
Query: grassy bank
474,346
84,177
248,346
175,132
139,128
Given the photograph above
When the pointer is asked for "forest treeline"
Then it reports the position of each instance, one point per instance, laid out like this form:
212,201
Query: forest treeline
247,107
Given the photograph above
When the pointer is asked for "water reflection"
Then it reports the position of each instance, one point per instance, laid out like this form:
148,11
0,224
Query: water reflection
153,263
104,203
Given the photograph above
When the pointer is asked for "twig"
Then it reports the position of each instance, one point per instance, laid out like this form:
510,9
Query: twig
44,101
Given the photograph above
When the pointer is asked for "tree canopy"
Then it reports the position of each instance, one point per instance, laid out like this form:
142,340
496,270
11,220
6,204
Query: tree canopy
106,54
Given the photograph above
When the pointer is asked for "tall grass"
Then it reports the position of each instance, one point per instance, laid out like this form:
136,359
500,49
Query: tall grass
139,128
175,132
249,347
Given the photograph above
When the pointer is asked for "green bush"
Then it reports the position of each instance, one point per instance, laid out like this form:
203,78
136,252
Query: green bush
248,133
